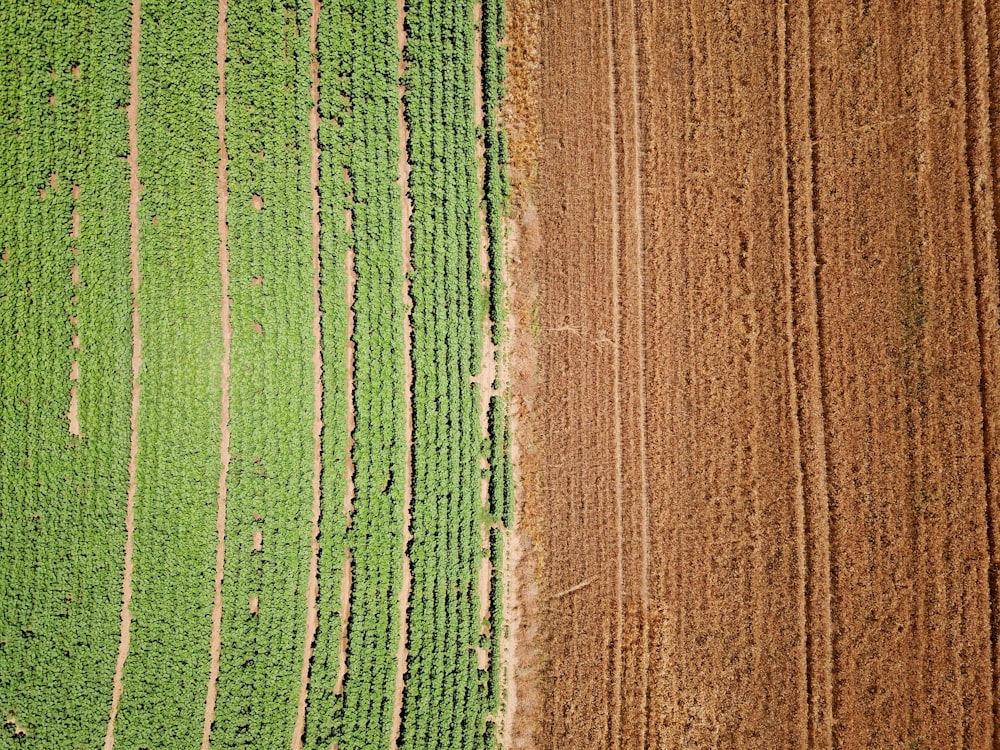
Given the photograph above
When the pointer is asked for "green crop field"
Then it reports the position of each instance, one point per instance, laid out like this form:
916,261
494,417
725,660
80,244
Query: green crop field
250,464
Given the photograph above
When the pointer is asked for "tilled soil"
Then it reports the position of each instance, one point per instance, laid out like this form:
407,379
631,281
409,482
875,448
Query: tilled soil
760,442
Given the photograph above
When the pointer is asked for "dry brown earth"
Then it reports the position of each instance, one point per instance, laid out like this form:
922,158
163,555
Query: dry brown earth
757,453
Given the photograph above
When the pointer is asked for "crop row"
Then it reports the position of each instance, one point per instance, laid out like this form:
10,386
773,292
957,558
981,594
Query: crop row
359,58
64,317
67,299
496,187
269,497
445,698
166,674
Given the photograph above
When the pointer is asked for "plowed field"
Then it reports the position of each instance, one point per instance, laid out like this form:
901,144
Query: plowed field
758,448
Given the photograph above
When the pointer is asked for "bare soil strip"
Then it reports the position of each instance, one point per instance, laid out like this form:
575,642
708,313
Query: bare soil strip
345,615
618,670
227,336
312,589
407,209
133,459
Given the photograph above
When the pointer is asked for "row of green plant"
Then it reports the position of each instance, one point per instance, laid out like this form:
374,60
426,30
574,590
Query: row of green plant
166,673
359,60
62,495
445,695
496,190
496,185
270,494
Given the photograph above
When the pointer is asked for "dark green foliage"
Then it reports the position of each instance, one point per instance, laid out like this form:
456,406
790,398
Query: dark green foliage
496,186
62,497
271,386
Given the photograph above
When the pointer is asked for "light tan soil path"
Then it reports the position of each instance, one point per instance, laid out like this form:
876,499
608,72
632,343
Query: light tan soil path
351,275
312,590
407,210
135,280
227,337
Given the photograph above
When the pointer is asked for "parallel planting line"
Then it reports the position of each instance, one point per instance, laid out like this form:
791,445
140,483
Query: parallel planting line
135,280
992,438
227,336
326,721
641,355
487,364
350,293
405,234
616,710
793,382
818,521
312,590
166,673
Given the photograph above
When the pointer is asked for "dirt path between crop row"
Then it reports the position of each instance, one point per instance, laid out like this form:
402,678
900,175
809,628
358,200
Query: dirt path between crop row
488,366
766,271
135,280
616,327
227,337
407,210
312,589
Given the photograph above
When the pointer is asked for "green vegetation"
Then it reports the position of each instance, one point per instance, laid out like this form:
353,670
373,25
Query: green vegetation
269,499
63,77
166,674
445,700
359,62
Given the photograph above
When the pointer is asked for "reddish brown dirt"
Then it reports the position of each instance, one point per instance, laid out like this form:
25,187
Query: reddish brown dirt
135,279
215,648
762,429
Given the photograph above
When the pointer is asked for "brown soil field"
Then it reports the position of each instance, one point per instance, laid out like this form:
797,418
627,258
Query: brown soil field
754,283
